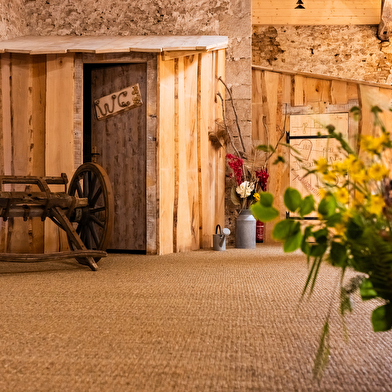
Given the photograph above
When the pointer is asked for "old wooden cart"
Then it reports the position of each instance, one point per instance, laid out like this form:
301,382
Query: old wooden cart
85,211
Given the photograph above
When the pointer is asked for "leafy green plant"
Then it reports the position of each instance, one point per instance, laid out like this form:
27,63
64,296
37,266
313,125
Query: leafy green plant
354,226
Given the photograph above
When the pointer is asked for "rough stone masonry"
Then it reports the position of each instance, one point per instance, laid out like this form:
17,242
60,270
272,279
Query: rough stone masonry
350,52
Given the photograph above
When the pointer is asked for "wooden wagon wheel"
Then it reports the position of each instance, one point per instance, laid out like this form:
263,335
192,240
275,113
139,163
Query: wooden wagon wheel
94,223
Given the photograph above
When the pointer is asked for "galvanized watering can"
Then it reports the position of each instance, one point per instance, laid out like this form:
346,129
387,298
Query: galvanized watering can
219,239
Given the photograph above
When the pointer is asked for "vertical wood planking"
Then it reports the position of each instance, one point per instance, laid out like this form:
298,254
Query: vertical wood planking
152,201
5,134
270,93
339,92
286,93
299,85
386,115
317,90
352,91
258,133
59,132
365,101
37,146
182,207
190,113
220,155
78,111
19,231
166,129
322,94
206,89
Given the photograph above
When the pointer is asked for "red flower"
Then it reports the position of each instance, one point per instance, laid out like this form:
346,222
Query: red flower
262,175
235,164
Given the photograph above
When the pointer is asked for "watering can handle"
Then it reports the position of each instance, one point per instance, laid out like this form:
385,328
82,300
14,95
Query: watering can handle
216,230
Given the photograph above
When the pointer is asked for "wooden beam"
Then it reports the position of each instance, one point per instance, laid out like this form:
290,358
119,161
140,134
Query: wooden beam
319,76
385,26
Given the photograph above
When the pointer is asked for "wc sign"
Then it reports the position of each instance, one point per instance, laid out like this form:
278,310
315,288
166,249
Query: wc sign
118,102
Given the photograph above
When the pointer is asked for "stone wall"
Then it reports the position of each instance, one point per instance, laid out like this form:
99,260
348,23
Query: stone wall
159,17
12,19
351,52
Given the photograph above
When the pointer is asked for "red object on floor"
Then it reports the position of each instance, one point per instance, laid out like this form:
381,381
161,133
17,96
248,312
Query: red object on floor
259,231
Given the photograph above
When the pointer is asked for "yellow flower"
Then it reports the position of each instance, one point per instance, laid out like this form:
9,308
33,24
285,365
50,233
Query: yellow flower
385,137
378,171
349,161
321,165
340,229
256,196
339,167
355,167
330,178
346,215
357,171
322,193
376,204
372,144
342,195
359,198
360,176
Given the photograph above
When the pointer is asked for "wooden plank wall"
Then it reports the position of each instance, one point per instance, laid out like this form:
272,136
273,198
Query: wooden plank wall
22,133
191,170
316,12
40,108
59,139
36,120
276,93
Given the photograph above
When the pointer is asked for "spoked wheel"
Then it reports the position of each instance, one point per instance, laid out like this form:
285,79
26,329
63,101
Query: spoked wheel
93,223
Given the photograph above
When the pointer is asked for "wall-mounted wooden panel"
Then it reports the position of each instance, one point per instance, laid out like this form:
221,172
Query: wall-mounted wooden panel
192,169
316,12
22,134
166,158
313,98
59,157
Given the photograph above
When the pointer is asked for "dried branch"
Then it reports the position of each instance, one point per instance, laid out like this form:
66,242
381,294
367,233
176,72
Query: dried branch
225,125
235,112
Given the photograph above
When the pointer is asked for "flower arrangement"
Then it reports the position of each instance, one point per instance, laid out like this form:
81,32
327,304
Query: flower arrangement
354,230
246,189
249,168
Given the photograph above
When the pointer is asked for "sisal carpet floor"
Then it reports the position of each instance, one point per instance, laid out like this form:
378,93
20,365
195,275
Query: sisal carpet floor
198,321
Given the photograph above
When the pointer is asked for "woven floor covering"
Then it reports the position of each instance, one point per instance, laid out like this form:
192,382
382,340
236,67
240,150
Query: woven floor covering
197,321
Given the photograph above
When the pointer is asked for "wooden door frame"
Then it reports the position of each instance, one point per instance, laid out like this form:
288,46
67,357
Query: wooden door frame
151,128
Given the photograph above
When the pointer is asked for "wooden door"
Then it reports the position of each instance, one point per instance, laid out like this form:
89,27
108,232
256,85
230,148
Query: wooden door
118,143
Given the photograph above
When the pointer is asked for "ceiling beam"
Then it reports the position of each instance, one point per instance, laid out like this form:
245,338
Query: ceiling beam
385,26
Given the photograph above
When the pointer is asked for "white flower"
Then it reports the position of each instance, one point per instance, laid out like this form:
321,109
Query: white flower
245,189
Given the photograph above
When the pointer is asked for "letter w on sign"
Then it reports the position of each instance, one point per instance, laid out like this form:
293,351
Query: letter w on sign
118,102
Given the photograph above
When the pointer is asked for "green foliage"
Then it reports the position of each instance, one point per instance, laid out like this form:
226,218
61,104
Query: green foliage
327,206
354,227
263,209
307,206
338,255
266,148
290,232
266,199
382,318
323,352
279,159
292,199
